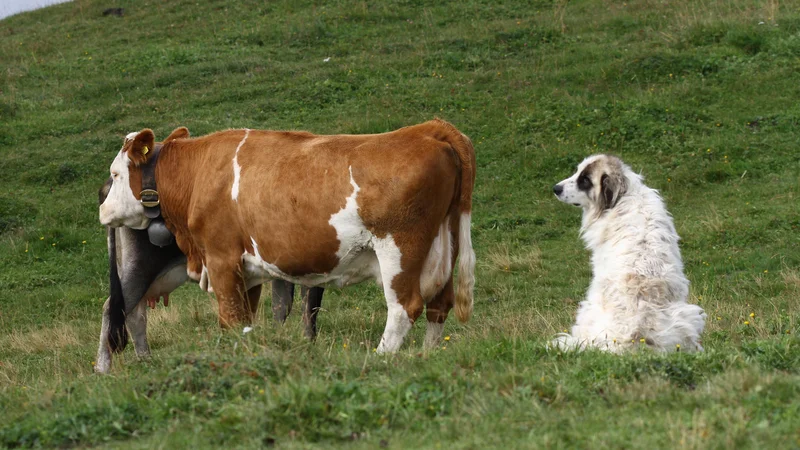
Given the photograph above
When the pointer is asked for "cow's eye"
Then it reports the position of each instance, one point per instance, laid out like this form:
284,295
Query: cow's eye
115,175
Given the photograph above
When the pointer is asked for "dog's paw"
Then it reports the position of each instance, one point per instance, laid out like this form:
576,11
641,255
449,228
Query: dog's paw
566,343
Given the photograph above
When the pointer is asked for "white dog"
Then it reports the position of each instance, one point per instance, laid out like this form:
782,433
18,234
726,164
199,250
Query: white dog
638,291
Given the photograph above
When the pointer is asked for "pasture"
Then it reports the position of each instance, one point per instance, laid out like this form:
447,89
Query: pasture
701,97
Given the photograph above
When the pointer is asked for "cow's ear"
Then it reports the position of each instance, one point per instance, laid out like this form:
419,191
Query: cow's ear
177,133
140,146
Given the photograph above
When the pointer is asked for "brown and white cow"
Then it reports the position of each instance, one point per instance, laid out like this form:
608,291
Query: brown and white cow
394,207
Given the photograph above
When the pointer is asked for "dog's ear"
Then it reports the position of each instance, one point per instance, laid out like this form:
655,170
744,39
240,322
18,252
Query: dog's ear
612,187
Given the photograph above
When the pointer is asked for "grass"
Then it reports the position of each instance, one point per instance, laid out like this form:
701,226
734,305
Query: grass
698,96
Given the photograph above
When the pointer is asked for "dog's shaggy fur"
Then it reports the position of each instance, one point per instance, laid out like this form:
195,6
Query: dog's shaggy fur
638,292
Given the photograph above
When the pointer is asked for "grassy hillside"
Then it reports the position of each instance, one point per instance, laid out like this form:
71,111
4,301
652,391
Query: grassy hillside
701,97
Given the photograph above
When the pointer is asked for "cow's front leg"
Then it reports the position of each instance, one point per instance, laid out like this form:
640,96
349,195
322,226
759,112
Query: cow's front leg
282,299
231,293
136,322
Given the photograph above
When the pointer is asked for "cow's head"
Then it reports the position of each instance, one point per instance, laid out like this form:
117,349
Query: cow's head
122,206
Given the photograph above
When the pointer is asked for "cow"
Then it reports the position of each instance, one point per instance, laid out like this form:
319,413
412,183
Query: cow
141,273
394,207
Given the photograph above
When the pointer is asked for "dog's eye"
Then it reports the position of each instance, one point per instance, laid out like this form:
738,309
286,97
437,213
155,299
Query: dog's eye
584,183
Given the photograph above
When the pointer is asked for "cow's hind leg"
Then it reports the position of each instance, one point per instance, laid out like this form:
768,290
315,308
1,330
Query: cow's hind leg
436,311
136,322
102,363
402,292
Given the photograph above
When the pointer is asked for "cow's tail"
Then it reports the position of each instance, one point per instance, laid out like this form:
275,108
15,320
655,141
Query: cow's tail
466,255
117,333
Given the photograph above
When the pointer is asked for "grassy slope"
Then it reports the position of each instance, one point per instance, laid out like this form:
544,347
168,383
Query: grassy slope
697,95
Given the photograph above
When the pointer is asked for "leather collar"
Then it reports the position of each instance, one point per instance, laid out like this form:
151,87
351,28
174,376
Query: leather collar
149,195
157,231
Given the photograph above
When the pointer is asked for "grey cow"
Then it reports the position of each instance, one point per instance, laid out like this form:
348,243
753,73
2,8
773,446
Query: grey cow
140,271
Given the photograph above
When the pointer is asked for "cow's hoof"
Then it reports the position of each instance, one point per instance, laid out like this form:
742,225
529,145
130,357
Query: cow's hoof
102,367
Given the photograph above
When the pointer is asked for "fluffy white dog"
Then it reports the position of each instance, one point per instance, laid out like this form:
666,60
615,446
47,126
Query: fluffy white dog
638,291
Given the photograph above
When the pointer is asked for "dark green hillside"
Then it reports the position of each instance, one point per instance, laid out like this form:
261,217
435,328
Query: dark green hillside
701,97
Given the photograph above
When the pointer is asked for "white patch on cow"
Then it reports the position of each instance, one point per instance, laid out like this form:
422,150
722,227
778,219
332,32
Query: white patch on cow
237,169
257,270
362,256
205,280
193,275
438,264
121,208
348,224
357,268
433,335
131,135
357,259
397,321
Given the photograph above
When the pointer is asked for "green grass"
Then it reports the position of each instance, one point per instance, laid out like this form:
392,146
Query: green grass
698,96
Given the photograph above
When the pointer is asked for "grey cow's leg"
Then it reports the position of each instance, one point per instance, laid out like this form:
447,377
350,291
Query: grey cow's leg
102,363
312,301
282,298
136,322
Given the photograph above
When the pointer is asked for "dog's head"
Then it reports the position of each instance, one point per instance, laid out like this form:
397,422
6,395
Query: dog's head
597,185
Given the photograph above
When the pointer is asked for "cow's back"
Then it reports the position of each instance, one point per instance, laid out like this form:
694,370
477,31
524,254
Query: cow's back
291,186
